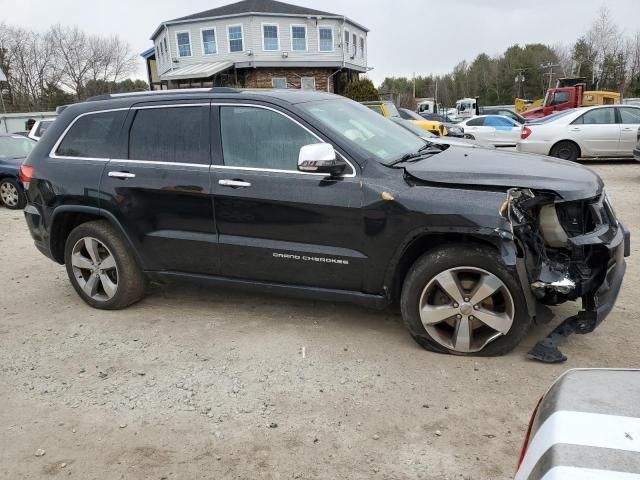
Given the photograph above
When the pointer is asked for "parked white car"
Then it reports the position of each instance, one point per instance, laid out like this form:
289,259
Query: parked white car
591,132
496,130
39,128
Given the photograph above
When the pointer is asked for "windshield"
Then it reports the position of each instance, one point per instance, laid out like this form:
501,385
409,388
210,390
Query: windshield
393,111
421,132
365,129
15,147
412,115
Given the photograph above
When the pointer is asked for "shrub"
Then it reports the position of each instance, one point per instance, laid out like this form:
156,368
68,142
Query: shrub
362,91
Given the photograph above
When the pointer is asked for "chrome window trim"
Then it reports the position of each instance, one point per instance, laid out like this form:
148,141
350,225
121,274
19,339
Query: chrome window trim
257,169
52,153
158,162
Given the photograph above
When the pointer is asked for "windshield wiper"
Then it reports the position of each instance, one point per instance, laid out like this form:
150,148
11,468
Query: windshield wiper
426,150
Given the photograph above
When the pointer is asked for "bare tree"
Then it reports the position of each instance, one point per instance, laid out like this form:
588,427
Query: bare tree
84,57
31,66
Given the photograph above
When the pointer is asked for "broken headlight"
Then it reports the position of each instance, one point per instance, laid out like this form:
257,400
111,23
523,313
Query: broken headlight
551,227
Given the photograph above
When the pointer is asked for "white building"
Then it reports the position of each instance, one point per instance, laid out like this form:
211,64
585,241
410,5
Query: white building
258,43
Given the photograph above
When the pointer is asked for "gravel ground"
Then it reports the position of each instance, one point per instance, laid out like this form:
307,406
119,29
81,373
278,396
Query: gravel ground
197,382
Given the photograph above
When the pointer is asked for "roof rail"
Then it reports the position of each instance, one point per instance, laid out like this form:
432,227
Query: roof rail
110,96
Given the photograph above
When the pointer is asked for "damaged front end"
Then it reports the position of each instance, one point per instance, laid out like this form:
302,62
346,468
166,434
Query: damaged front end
569,250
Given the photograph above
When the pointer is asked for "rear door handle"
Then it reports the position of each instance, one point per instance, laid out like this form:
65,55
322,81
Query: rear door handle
234,183
576,129
122,175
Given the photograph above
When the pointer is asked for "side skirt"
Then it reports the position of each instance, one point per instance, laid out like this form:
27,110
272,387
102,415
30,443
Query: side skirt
377,302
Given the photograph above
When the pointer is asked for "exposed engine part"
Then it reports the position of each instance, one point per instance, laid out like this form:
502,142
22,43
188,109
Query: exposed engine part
553,277
548,276
552,231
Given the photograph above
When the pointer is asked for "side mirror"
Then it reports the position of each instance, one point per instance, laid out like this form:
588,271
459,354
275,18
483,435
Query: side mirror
320,158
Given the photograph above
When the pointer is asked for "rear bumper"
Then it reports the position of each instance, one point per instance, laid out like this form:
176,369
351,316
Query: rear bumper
36,227
529,146
636,154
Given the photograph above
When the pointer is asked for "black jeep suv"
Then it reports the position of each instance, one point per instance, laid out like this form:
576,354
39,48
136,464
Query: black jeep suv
312,194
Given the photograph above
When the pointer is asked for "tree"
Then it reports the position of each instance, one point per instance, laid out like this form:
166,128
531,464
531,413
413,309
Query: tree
85,57
362,90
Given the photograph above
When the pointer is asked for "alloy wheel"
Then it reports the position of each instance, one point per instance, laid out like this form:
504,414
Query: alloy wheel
9,194
465,308
95,269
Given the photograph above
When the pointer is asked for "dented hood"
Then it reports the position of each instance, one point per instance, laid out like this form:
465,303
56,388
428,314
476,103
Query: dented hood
495,168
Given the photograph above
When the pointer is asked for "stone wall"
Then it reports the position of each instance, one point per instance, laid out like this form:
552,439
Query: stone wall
261,77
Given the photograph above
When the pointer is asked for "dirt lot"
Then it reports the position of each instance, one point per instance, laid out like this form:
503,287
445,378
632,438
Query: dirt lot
203,383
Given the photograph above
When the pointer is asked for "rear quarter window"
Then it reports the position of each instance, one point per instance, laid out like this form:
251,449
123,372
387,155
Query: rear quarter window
93,135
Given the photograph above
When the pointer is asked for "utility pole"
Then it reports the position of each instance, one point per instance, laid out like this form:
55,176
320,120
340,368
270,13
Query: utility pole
550,66
414,85
3,78
520,81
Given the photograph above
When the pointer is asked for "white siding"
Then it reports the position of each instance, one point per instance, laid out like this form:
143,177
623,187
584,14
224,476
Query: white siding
252,31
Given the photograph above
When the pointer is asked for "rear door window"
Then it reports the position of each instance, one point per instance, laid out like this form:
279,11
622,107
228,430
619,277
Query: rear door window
93,135
599,116
171,134
496,122
476,122
629,115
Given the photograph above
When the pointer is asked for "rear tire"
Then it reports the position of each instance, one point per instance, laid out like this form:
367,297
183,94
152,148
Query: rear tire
101,267
11,194
467,261
565,151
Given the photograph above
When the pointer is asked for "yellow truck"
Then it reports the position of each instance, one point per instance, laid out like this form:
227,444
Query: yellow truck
388,109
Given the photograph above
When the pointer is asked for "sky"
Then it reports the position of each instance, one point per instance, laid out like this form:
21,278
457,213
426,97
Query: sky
406,36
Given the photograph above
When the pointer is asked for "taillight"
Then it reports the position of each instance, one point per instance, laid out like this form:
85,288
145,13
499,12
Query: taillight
526,131
26,174
525,444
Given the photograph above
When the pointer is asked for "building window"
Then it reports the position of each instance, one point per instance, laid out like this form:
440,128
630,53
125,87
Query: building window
184,44
279,82
236,41
326,39
166,50
355,45
270,40
298,38
361,47
346,41
209,46
308,83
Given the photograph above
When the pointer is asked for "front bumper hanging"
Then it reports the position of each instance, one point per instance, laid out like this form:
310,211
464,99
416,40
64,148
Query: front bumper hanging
596,304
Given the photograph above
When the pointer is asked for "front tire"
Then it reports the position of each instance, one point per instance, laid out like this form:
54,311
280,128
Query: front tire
565,151
463,300
101,268
11,194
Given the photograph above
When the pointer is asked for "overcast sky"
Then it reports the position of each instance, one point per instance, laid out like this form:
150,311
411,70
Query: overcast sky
422,36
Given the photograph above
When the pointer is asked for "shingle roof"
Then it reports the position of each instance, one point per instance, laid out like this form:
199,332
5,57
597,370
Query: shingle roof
255,6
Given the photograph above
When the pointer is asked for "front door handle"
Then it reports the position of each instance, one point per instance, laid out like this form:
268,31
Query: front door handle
234,183
628,130
122,175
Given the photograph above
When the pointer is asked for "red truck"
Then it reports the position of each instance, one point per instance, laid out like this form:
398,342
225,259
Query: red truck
571,93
